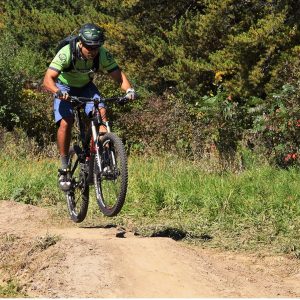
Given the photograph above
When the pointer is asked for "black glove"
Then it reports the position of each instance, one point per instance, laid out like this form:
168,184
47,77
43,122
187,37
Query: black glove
61,95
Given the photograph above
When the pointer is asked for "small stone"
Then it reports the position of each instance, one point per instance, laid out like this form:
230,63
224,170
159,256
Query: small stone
121,234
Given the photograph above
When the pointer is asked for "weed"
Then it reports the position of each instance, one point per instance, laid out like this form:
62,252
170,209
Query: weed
11,289
8,238
44,242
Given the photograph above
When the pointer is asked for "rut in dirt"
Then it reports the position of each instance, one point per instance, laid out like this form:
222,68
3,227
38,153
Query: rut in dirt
86,262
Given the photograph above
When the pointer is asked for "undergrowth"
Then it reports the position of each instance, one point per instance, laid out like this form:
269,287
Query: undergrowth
255,208
11,289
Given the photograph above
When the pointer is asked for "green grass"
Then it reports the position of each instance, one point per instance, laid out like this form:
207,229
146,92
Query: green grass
29,181
11,289
258,208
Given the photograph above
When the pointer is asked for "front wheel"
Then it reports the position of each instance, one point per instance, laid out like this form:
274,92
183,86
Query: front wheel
111,182
78,195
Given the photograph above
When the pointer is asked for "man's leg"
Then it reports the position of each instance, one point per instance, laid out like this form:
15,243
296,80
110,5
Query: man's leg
104,119
64,139
63,144
63,113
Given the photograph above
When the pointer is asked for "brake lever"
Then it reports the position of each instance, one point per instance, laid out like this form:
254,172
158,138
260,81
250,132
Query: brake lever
122,101
75,101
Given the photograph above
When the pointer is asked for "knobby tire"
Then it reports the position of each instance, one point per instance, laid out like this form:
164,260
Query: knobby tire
78,196
111,189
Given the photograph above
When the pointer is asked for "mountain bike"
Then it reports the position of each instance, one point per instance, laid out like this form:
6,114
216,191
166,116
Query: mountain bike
97,159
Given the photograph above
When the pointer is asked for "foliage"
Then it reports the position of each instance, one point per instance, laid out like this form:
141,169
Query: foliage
170,129
39,124
21,106
10,84
223,62
280,126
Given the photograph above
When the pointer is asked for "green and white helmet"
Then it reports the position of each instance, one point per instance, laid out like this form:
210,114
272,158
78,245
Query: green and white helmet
91,35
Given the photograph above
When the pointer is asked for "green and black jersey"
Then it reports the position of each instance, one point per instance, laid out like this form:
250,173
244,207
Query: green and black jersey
82,72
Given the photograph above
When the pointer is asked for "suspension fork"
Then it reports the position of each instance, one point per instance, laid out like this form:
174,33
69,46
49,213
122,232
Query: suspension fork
107,126
112,153
98,147
95,124
96,143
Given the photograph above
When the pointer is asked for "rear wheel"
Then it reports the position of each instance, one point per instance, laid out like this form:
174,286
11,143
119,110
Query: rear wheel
111,182
78,195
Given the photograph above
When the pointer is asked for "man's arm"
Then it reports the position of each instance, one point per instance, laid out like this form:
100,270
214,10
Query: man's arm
124,83
50,79
49,84
119,77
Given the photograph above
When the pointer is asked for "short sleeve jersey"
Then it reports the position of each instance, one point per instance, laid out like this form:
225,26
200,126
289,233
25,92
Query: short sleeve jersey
82,72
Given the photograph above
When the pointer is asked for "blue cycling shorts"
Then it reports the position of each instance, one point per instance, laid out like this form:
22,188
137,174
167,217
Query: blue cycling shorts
63,109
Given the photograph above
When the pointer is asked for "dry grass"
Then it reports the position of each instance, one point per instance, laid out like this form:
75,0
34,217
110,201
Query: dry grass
21,257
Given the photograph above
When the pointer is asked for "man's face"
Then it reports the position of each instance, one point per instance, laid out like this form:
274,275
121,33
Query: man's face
89,52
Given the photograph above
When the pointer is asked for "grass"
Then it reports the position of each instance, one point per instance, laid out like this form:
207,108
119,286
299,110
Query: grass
29,181
258,208
44,242
17,262
11,289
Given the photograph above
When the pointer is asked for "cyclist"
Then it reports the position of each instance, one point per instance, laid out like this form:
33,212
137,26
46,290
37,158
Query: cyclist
66,76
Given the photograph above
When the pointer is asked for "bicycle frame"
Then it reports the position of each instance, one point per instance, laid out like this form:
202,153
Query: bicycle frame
90,136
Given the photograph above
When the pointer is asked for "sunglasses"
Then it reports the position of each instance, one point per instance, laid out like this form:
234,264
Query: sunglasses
90,48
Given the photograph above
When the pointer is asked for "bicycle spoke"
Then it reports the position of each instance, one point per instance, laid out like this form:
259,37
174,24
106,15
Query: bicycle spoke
111,182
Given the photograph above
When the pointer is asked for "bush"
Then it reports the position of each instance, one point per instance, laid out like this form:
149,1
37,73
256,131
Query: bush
28,108
162,125
279,127
10,83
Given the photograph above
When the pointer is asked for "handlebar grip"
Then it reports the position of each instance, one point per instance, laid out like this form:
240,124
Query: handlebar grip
122,101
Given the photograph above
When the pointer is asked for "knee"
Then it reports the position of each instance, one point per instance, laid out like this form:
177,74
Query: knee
66,124
103,113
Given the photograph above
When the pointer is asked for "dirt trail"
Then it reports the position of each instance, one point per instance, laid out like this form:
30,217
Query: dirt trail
93,262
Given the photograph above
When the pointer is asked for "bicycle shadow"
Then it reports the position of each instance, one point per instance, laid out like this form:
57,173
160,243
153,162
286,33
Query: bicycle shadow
173,233
178,234
106,226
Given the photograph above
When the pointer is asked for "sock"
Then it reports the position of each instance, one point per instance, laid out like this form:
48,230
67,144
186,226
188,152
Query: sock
64,159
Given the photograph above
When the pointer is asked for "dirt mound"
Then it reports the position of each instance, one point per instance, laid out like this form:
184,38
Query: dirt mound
93,262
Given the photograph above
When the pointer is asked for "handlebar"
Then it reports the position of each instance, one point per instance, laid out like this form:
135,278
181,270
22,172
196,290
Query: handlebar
82,100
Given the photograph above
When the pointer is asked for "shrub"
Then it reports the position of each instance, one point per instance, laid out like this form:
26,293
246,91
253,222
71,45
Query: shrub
280,125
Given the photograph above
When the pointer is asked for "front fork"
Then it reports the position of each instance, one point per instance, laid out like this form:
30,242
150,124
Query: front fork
97,144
